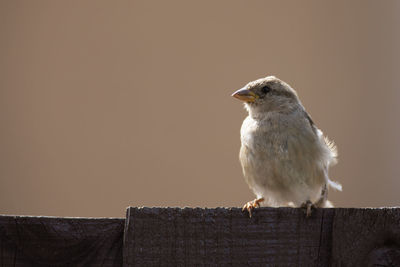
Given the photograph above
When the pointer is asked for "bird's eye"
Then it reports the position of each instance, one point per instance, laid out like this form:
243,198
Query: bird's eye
265,89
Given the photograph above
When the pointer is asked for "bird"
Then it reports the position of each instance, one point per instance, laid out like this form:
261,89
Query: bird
285,158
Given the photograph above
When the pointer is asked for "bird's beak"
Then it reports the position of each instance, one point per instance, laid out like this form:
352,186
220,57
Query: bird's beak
245,95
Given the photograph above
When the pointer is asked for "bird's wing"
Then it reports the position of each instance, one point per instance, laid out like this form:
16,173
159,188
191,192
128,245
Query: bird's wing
311,122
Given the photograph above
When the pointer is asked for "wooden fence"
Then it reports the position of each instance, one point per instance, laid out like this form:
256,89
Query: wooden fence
206,237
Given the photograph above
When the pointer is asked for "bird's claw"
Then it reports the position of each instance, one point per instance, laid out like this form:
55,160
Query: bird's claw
308,206
249,206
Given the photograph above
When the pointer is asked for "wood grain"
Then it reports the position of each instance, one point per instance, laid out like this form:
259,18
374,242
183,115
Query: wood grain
226,237
366,237
47,241
206,237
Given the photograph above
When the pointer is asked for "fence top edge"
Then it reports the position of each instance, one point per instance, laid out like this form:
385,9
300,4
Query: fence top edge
8,216
262,208
188,209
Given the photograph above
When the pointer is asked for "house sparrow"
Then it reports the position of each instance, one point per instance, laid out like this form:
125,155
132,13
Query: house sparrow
285,158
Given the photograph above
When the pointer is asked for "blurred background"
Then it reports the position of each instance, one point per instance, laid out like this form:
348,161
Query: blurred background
109,104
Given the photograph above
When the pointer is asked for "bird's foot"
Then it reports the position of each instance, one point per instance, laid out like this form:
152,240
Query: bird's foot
249,206
308,206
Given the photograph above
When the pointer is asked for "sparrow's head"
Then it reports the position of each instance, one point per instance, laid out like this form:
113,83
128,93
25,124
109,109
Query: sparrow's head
267,94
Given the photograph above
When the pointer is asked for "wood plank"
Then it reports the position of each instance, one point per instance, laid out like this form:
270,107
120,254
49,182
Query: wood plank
226,237
206,237
50,241
366,237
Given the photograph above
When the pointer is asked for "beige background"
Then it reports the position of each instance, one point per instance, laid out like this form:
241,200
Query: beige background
106,104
